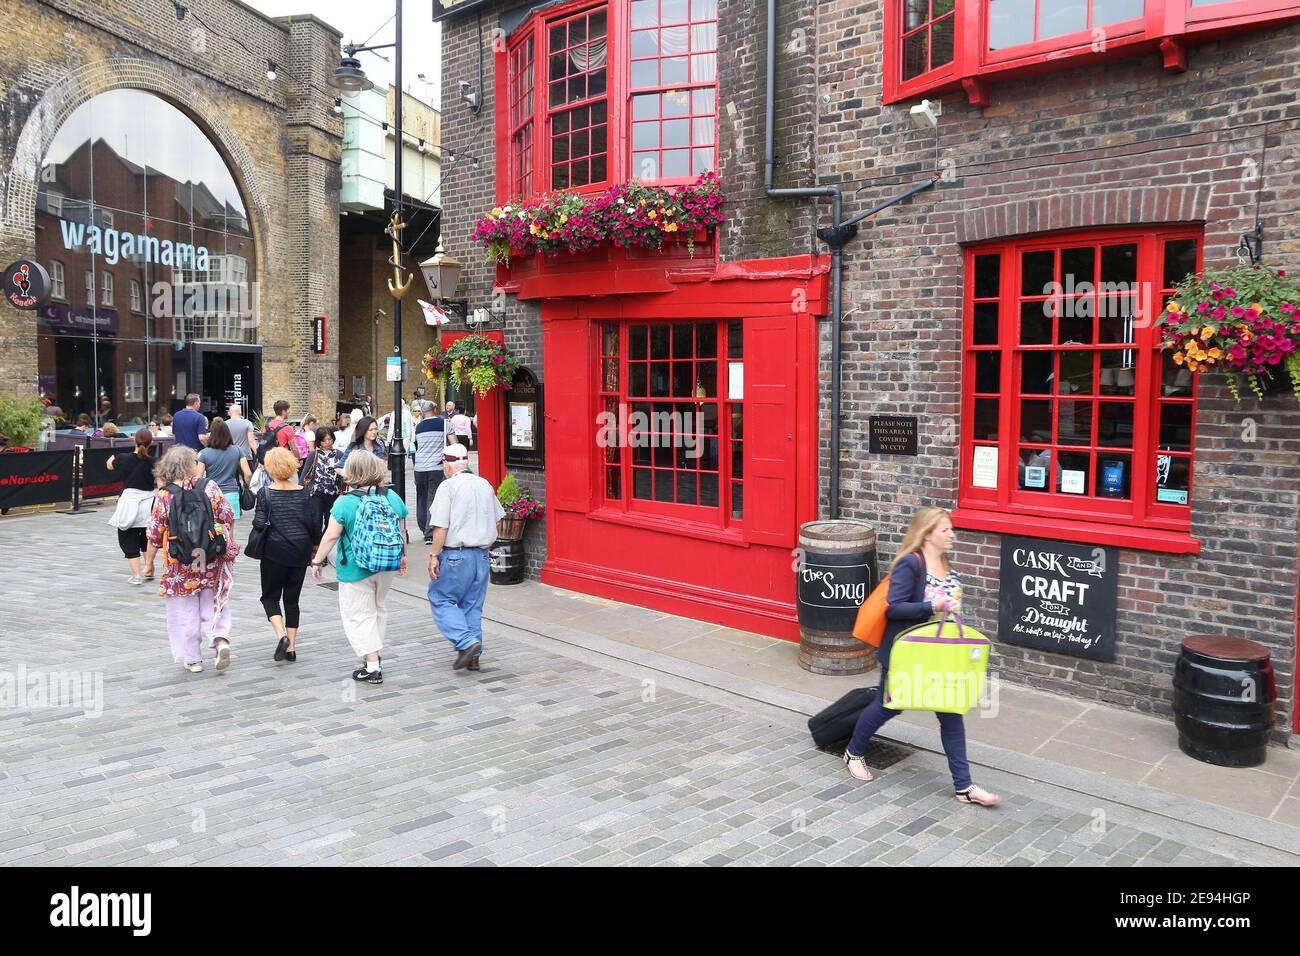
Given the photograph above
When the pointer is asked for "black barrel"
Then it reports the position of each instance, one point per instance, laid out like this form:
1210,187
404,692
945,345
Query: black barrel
835,571
508,560
1224,690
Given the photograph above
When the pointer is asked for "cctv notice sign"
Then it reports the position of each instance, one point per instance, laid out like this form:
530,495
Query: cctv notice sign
1059,597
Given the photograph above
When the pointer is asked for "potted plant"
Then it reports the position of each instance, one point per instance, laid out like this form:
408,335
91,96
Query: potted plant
508,556
474,359
20,423
1243,321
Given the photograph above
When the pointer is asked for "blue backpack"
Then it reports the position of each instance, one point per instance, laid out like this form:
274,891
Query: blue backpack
375,541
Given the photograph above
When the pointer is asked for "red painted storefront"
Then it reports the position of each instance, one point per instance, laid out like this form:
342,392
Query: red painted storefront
618,530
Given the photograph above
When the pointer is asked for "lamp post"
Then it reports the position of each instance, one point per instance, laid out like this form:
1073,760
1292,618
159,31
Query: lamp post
350,78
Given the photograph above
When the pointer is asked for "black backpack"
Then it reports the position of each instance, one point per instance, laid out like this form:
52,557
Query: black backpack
270,439
192,527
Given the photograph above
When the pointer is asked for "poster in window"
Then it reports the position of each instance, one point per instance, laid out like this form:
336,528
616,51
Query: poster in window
1059,597
1074,482
523,417
984,468
735,381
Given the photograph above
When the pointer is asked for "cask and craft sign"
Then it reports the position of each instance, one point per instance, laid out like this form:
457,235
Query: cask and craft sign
1059,597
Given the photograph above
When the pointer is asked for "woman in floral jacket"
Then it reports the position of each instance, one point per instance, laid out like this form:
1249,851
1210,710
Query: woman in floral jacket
197,600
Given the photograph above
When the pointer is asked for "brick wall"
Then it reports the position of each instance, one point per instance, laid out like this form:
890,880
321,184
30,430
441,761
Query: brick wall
1118,143
280,140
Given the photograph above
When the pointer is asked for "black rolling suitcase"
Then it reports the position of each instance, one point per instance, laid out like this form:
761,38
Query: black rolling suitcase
835,724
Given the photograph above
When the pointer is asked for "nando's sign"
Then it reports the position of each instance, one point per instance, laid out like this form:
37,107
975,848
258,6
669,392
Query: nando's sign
26,284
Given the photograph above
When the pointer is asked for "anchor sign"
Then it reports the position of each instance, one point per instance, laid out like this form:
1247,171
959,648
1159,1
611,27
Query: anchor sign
26,285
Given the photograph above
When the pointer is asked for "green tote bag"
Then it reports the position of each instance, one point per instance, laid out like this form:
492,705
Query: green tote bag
937,666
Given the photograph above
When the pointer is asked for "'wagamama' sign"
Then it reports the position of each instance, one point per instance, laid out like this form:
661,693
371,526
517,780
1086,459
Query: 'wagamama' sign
1059,597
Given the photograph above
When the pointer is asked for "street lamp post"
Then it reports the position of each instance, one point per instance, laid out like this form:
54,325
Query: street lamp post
350,78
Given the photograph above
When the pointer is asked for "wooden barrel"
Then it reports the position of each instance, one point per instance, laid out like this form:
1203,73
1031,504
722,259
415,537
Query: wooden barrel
508,560
834,573
1224,690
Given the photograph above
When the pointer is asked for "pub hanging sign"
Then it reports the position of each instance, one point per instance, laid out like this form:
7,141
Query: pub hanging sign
1059,597
27,284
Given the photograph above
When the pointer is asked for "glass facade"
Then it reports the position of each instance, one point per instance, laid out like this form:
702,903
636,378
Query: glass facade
142,224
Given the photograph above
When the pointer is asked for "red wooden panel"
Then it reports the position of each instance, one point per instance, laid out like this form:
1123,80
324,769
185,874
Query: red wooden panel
570,421
770,430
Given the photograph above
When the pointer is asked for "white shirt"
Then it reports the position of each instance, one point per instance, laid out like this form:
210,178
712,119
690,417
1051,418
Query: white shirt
467,507
460,424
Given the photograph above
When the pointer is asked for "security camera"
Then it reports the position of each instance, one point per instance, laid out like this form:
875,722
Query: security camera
467,96
925,115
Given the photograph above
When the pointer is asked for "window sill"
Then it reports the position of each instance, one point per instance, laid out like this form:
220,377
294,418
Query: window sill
673,526
1082,532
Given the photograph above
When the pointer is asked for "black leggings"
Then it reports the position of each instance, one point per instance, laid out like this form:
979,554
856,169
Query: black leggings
132,542
278,579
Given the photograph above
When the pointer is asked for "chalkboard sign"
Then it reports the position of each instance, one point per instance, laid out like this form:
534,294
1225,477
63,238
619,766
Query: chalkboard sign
832,586
1059,597
891,434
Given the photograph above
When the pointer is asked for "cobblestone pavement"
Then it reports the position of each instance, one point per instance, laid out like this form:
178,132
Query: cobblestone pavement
542,757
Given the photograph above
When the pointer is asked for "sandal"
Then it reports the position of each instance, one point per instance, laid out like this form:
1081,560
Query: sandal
978,796
858,768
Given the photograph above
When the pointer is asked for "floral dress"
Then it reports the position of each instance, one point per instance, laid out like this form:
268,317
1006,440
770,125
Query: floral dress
325,476
181,580
936,588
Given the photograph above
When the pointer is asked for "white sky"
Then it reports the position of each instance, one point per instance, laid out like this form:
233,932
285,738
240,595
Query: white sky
420,51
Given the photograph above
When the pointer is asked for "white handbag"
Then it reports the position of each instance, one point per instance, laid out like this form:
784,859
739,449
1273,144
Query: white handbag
258,481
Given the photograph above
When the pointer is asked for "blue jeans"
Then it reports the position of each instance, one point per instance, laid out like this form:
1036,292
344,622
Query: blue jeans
952,731
457,597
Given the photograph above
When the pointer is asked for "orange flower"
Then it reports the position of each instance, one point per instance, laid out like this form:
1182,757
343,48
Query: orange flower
1206,332
1173,307
1178,358
1216,353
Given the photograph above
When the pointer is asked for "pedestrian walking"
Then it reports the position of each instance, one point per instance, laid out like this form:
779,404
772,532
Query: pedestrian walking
464,428
464,518
321,473
430,440
366,524
243,433
223,462
190,522
348,425
304,436
189,425
365,437
290,529
134,504
922,585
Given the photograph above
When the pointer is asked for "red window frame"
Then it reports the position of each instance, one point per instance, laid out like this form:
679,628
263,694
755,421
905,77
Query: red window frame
577,130
517,178
1158,395
624,465
522,74
1166,25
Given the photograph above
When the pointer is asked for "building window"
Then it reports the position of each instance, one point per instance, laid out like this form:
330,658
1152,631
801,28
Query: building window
560,126
90,287
1017,22
57,289
137,296
673,439
133,387
927,35
1071,409
54,204
674,70
521,117
106,289
577,110
106,218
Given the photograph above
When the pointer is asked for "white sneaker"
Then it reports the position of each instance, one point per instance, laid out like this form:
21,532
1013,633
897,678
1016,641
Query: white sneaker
223,656
195,668
134,579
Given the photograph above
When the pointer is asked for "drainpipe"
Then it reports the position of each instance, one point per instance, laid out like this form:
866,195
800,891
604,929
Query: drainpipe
837,235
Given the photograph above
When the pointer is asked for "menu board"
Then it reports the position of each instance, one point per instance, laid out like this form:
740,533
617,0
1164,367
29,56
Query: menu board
1058,596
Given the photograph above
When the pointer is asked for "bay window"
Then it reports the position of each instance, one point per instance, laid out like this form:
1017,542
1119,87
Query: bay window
1072,413
591,95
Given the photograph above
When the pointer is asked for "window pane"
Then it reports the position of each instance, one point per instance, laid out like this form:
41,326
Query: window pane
609,338
1075,423
1180,261
676,103
704,68
1076,325
987,276
659,339
1037,272
645,72
1115,11
704,36
709,419
1115,318
645,13
939,8
659,378
677,133
737,422
636,341
1117,376
1174,379
676,163
706,380
645,43
645,135
737,460
941,43
1172,479
1036,373
702,131
645,165
735,339
702,101
985,331
702,161
986,420
1035,465
683,383
1072,477
609,375
1175,427
1036,421
613,484
1076,373
674,41
1035,323
1058,17
645,106
988,372
915,13
674,11
686,491
1114,476
673,69
914,54
1119,264
641,483
737,500
709,490
1011,22
1078,266
663,485
1115,424
704,9
637,380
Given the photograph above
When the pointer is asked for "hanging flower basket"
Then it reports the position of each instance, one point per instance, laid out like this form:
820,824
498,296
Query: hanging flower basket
627,215
1243,321
474,359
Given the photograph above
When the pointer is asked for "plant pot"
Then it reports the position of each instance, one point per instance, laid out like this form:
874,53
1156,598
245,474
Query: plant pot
511,529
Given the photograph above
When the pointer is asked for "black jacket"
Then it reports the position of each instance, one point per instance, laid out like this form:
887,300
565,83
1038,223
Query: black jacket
907,604
295,526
